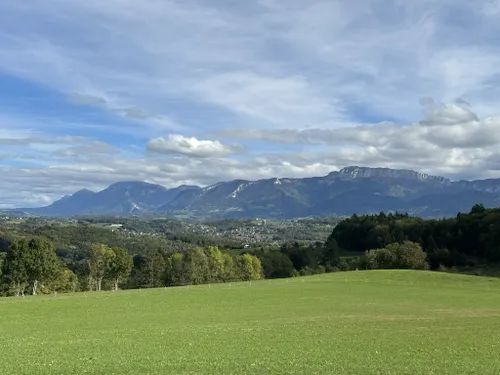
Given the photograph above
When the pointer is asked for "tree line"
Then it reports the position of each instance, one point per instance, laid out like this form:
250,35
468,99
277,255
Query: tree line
31,266
469,239
393,241
295,259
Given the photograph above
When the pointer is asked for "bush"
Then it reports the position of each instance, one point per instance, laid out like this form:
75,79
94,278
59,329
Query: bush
406,255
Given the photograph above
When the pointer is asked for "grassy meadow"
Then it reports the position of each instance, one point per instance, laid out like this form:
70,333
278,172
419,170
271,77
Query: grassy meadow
362,322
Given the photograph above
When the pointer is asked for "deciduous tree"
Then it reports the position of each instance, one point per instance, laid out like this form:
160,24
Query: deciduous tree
99,259
41,263
119,266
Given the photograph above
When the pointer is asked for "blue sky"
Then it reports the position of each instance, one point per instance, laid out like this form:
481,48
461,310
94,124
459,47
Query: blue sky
194,92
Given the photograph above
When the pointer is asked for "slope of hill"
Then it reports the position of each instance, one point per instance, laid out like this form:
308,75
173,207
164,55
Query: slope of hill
350,190
364,322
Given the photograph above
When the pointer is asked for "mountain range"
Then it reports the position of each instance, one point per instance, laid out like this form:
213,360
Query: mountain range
351,190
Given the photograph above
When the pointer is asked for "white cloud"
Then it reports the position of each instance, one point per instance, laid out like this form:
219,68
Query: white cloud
190,146
451,140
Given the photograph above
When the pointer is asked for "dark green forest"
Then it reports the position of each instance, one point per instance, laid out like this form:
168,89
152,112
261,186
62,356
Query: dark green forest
469,239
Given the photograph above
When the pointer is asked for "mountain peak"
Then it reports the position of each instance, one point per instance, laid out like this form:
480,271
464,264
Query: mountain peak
129,184
354,172
83,192
77,195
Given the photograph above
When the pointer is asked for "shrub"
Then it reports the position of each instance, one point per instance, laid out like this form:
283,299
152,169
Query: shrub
406,255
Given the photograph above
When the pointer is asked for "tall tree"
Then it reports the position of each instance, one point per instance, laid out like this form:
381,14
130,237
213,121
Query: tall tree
216,264
249,267
155,267
14,268
175,270
148,269
99,259
41,263
229,271
119,266
196,266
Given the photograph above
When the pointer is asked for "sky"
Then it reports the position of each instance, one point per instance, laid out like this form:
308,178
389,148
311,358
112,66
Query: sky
194,92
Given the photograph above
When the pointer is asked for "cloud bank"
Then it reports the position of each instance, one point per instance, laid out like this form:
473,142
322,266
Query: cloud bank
199,91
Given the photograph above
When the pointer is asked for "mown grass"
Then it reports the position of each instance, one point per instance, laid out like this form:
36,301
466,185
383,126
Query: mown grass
374,322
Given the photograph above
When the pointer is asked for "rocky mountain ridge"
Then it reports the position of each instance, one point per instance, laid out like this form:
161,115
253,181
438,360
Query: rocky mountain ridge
351,190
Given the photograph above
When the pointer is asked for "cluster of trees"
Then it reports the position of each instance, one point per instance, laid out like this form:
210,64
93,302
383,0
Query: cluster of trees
467,239
29,265
293,259
201,266
32,266
107,263
194,266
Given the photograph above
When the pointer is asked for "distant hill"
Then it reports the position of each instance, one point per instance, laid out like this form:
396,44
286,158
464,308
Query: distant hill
351,190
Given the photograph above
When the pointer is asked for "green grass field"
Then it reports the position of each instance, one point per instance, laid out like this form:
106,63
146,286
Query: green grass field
374,322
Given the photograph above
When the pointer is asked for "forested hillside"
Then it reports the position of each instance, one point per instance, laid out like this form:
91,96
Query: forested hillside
107,253
467,239
44,257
